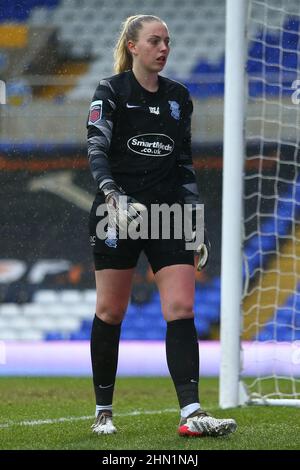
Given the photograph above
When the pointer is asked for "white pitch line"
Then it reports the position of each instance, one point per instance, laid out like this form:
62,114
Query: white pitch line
82,418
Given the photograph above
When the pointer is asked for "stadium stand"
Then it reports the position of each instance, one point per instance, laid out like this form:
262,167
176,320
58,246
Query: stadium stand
85,31
89,36
20,10
276,225
67,314
52,309
285,325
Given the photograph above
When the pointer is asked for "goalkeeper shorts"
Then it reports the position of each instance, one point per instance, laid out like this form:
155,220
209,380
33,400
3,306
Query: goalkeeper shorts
112,252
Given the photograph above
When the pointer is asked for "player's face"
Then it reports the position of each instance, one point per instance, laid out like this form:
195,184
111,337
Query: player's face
152,48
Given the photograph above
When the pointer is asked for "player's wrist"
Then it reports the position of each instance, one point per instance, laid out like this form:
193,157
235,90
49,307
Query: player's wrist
109,188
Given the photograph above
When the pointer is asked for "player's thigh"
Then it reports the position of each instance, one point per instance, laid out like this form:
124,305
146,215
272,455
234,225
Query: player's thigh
113,288
176,285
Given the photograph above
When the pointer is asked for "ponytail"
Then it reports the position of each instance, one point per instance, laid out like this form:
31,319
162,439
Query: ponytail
129,32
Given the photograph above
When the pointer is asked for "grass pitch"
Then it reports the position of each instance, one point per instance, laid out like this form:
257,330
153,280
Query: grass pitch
56,413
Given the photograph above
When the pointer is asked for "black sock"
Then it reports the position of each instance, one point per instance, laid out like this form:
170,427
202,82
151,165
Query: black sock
104,353
183,359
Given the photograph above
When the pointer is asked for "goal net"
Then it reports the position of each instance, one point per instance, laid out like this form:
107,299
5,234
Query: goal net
271,202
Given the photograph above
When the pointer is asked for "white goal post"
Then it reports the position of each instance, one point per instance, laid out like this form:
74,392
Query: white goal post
260,267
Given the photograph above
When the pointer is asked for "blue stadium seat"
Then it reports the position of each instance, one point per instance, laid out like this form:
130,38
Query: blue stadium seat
298,189
273,90
133,310
285,208
294,300
272,39
19,10
130,334
253,262
285,334
292,24
55,336
256,49
286,323
264,335
202,327
151,310
209,312
86,325
216,283
268,331
284,315
203,67
290,40
290,60
140,332
79,336
254,66
209,295
256,87
268,242
272,55
154,334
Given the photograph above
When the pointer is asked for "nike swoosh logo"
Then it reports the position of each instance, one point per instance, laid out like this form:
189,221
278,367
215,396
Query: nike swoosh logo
105,386
131,106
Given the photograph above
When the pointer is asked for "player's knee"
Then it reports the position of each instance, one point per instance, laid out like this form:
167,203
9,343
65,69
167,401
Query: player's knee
179,310
111,314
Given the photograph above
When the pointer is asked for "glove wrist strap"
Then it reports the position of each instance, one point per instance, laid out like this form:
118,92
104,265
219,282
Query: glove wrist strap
109,188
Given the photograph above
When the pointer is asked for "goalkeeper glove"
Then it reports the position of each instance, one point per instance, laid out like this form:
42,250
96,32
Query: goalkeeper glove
203,249
123,211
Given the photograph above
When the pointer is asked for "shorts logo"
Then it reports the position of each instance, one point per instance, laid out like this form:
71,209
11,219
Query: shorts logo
96,111
175,109
156,145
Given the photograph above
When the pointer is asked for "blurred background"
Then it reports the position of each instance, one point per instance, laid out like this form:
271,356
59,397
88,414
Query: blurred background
52,55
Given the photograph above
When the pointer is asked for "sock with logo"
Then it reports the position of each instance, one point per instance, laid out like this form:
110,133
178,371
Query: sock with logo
104,354
183,360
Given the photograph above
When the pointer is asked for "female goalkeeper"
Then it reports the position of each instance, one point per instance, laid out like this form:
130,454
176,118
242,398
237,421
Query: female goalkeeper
139,148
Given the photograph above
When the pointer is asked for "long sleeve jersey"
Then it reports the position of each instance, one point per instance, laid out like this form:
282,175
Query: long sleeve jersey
141,140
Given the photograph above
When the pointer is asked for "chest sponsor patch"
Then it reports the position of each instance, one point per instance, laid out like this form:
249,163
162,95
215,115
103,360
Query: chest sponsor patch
157,145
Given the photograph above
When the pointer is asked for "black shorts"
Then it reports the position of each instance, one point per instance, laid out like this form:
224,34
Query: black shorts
124,254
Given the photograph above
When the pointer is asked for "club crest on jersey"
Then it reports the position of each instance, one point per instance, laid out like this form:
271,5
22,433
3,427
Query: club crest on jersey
175,110
154,109
95,112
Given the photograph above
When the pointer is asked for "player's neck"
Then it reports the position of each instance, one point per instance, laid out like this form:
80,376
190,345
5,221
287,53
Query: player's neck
147,80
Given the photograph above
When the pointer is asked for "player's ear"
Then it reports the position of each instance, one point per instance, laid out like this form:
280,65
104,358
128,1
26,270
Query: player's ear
131,47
